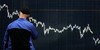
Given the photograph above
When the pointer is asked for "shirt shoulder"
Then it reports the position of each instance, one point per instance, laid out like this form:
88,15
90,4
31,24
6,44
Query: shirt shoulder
12,24
23,24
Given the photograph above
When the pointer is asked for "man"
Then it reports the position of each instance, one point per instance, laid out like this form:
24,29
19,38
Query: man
15,36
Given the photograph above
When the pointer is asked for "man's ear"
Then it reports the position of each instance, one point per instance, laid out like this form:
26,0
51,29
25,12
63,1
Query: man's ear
21,13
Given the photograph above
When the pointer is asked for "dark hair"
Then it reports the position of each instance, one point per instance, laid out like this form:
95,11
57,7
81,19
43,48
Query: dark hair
25,10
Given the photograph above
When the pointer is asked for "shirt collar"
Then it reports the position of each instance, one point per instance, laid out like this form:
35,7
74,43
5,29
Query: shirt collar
21,18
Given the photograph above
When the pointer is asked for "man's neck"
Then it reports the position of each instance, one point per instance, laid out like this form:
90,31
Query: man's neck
22,17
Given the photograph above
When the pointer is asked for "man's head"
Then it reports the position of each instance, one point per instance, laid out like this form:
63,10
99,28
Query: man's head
24,13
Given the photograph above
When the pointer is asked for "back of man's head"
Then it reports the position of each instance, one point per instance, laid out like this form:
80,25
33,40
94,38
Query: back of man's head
25,10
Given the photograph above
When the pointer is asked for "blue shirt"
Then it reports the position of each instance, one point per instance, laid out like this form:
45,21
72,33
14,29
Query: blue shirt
23,24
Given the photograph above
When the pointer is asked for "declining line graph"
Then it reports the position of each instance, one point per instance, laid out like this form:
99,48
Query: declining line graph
8,13
47,30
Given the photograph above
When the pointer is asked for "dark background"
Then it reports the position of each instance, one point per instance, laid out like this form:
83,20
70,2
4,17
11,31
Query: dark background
58,14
